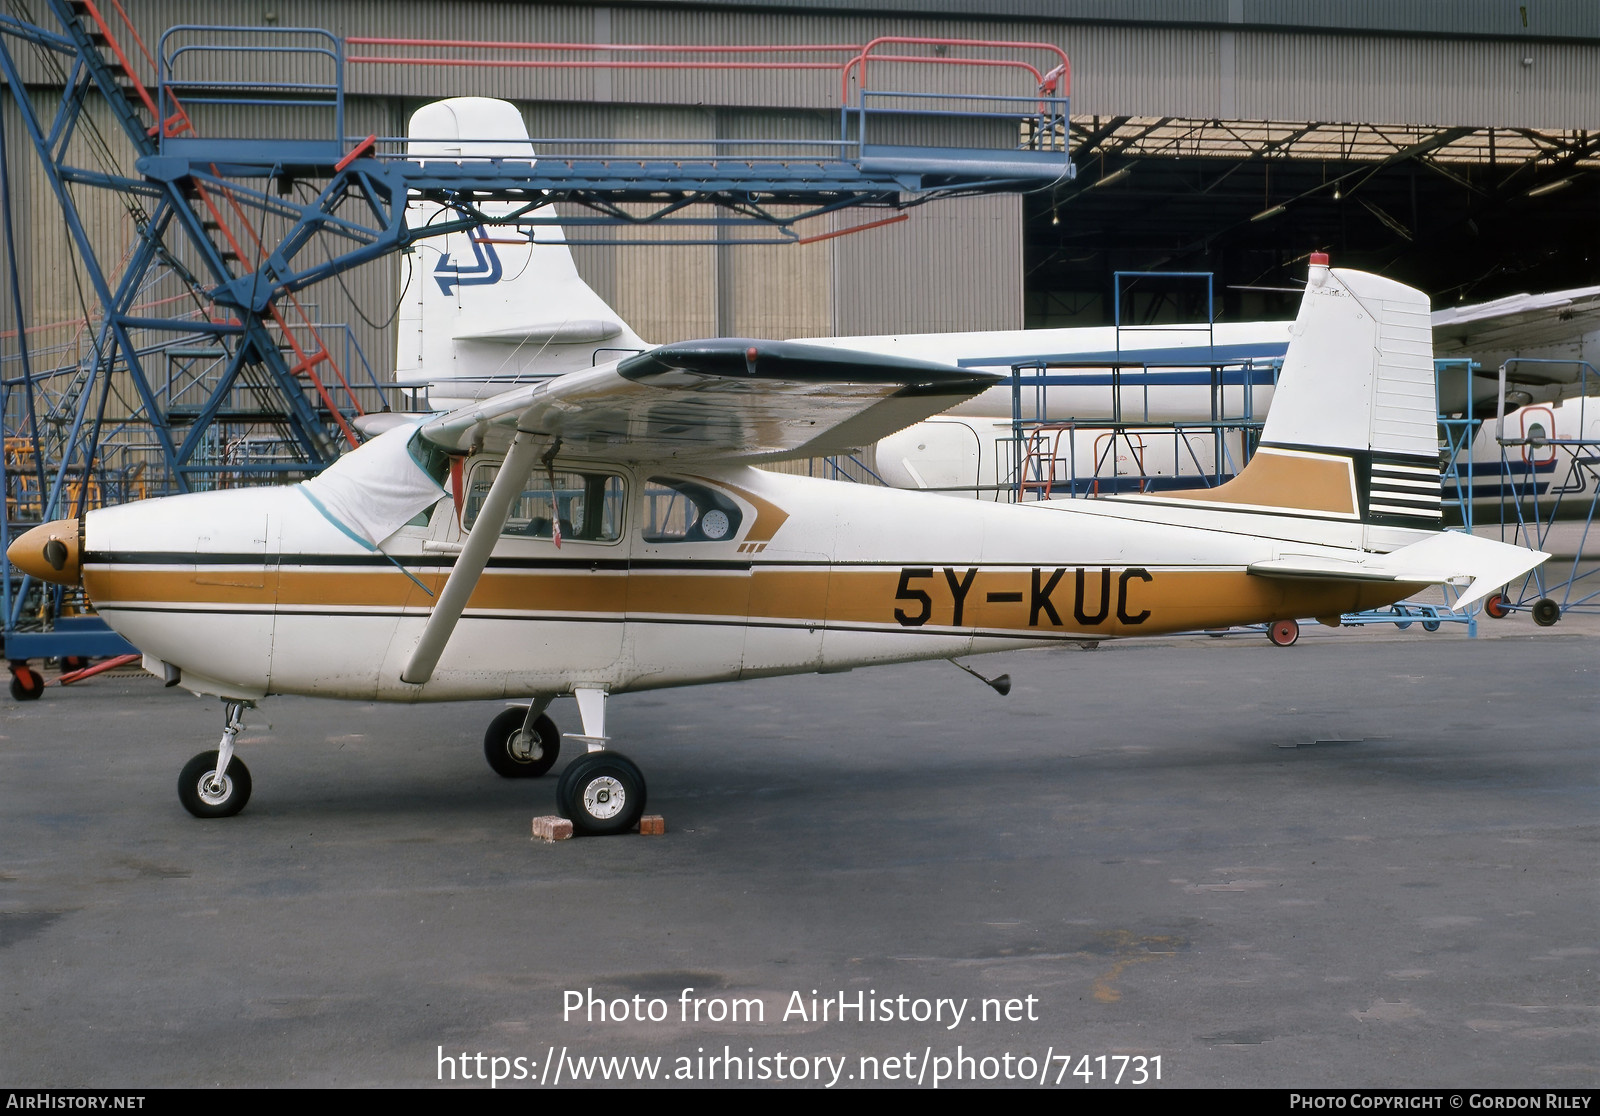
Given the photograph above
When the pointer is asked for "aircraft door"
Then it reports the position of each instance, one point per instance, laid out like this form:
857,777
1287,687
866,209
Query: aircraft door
688,583
1538,426
547,612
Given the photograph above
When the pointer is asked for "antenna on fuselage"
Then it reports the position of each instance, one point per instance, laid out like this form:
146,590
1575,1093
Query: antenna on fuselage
1000,685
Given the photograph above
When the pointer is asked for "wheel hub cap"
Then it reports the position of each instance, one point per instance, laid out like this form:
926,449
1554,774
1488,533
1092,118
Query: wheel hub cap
214,791
604,798
524,747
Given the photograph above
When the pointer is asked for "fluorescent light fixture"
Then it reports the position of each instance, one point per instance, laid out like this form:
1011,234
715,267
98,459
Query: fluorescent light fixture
1115,176
1551,187
1267,213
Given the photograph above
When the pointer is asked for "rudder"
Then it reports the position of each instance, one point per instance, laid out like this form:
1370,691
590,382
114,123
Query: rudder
1353,429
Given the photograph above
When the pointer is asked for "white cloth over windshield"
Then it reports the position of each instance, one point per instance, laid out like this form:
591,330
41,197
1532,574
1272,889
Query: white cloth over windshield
374,491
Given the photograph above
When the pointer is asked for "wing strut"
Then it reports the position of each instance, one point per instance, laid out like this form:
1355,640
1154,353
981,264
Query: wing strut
514,473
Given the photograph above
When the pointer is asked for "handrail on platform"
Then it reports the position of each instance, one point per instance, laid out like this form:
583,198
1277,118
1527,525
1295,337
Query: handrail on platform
1046,96
231,91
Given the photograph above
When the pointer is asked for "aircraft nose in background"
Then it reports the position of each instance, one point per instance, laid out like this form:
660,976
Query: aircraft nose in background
50,551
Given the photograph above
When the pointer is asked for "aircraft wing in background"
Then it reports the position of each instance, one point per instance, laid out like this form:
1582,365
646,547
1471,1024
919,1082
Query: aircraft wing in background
1561,327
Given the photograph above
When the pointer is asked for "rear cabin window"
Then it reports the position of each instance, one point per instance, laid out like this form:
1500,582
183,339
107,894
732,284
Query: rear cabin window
678,510
588,506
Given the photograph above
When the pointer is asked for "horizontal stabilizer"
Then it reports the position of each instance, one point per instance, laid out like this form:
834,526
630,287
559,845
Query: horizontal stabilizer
540,333
1451,557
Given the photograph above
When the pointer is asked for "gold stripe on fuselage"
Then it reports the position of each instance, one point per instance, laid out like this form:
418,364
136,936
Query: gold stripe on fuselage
1098,601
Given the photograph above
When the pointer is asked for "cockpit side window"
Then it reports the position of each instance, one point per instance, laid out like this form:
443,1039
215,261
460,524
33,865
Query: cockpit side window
587,506
677,510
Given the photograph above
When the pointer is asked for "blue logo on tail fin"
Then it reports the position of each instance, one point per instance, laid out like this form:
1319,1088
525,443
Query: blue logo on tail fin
485,268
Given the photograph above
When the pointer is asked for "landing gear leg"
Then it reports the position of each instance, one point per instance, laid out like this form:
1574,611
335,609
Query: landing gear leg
601,791
215,784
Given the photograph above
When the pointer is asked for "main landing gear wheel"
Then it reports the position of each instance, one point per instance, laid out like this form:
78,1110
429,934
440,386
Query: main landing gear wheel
1284,632
1497,607
204,796
601,793
516,754
1546,612
26,684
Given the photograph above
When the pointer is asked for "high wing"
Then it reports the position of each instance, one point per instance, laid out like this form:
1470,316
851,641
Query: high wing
1550,325
730,400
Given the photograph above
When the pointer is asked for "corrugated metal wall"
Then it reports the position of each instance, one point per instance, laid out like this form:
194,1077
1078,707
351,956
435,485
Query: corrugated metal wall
1346,72
1448,83
953,265
1543,20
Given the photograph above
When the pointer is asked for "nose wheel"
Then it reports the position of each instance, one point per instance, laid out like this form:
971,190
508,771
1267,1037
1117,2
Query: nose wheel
205,795
217,784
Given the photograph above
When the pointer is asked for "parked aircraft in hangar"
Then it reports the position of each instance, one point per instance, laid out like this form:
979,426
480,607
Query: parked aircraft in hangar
607,531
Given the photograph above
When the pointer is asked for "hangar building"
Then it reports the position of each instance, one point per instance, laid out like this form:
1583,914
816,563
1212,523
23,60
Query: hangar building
1455,147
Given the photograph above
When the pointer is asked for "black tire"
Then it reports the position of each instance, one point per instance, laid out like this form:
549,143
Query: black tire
199,799
502,745
1285,633
1546,612
1497,607
26,685
601,793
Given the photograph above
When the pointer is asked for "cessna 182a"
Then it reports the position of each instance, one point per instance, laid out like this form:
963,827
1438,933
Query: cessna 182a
606,531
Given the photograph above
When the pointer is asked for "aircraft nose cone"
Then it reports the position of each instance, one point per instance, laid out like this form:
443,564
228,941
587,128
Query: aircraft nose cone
50,552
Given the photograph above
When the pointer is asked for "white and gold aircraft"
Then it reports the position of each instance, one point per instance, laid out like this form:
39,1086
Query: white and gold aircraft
608,531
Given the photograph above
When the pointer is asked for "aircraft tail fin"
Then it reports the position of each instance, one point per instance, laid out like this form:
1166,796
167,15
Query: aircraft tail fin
1353,430
495,305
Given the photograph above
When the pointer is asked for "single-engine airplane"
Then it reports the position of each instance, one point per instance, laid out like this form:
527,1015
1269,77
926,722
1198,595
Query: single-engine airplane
608,531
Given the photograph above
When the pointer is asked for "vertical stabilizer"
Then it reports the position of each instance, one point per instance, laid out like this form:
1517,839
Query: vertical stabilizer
494,305
1353,429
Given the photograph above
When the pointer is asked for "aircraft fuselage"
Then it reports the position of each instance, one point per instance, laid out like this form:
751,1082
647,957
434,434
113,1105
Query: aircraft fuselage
253,592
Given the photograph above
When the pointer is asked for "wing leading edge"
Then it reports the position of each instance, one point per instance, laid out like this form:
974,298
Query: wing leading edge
726,399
